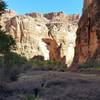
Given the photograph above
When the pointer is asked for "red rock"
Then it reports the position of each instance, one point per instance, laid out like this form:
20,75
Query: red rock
54,50
88,34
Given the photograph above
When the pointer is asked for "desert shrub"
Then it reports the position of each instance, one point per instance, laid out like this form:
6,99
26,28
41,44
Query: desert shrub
15,67
17,59
48,65
33,97
1,60
30,97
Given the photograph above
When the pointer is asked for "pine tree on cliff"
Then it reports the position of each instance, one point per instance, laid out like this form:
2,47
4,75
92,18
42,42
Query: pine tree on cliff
7,43
2,7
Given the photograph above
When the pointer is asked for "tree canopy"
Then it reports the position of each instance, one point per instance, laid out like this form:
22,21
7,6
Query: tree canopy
2,6
7,42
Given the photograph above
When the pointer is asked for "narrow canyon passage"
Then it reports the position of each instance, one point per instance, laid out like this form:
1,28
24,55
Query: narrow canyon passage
67,30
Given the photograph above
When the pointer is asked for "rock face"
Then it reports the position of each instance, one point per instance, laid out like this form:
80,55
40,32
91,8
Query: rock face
54,50
8,14
88,33
30,29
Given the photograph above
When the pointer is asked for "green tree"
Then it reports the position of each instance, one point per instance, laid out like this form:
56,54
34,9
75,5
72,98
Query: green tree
7,42
2,7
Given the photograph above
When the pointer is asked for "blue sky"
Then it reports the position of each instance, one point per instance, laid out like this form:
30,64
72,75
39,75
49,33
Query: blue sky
45,6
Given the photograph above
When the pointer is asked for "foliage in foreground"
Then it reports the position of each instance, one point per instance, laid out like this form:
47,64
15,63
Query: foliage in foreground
48,65
15,67
19,64
2,6
7,42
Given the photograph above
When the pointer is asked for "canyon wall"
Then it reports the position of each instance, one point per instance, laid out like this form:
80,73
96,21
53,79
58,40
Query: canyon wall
88,34
32,29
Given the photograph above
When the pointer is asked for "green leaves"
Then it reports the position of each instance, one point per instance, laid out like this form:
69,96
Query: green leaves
7,42
2,6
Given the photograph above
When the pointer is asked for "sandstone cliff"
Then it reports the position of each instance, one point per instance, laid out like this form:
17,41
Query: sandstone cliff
29,31
88,33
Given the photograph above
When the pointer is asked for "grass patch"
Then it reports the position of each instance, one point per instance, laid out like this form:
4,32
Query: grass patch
33,97
48,65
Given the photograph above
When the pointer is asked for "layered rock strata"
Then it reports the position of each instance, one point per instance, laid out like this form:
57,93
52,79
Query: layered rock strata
30,29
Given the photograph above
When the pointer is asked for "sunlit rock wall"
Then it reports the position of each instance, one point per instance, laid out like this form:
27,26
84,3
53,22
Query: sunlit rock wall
30,29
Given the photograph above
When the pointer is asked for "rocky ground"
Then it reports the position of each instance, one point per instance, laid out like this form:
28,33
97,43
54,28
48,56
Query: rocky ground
50,85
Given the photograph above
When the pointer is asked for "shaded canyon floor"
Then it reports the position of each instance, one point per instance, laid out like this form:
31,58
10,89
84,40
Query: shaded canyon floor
52,85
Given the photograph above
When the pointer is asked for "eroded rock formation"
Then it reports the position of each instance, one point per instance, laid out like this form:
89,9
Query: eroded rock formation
8,14
88,33
54,50
30,29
